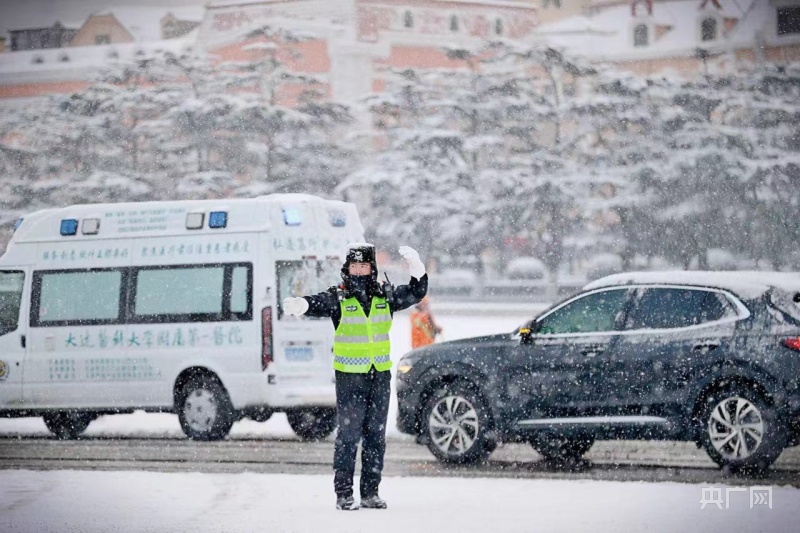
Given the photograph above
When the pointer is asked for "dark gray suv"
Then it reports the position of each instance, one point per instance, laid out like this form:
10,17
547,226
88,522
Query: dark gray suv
710,357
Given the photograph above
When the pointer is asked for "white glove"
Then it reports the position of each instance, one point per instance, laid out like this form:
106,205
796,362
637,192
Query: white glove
295,306
415,266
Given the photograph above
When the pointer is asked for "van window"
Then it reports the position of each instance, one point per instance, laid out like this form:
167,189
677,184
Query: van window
305,278
68,298
199,293
10,300
179,291
239,290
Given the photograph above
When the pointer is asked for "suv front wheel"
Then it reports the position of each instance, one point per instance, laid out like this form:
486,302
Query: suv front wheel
457,425
740,430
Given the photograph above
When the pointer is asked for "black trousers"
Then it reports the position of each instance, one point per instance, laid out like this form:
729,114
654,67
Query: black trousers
362,406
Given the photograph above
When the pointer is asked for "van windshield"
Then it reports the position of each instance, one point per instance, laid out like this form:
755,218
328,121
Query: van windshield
307,277
10,300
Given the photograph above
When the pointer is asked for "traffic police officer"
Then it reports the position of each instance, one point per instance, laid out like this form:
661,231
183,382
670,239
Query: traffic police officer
362,310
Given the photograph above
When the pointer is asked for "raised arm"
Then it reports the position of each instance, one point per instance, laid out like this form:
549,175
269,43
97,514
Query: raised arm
407,295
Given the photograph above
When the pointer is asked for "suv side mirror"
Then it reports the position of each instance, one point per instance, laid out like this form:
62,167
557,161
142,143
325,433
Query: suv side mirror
526,333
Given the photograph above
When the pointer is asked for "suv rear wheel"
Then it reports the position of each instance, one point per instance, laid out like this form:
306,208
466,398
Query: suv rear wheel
456,425
740,430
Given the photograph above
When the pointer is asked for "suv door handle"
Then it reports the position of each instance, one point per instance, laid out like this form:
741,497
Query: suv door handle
592,350
705,347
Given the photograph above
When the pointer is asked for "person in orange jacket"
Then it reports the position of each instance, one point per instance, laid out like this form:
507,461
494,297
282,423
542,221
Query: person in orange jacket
423,328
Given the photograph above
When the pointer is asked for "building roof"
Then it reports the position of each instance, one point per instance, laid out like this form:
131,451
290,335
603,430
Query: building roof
606,32
72,14
144,23
747,284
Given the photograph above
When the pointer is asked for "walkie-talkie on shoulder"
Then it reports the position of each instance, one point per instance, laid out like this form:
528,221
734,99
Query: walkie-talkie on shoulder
388,288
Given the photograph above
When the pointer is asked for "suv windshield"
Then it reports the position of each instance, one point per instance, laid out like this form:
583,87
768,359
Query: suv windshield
10,299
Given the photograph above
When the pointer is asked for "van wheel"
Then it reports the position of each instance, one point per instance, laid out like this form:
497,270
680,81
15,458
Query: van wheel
740,430
204,409
560,448
457,425
312,424
67,425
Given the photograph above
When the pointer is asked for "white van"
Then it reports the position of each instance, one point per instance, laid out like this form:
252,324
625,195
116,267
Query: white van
172,306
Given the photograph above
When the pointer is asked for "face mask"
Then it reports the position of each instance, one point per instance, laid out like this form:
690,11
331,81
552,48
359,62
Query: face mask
359,283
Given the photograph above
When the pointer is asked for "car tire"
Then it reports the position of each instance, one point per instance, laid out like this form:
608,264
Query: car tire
260,415
67,425
204,409
312,424
561,448
740,430
457,426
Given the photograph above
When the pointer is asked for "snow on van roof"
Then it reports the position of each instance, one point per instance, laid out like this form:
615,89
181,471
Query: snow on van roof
747,284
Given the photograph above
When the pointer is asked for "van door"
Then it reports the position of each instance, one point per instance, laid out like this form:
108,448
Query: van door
77,339
303,346
13,331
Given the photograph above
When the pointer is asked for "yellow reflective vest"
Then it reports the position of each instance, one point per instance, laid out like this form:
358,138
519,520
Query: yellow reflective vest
362,341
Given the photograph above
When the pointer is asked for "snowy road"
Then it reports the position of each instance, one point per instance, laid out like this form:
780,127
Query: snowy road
142,441
607,460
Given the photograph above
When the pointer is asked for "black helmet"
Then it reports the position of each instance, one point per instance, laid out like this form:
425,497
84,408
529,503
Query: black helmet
360,252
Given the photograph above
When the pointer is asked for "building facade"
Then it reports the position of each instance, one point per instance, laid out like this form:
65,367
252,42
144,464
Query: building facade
351,44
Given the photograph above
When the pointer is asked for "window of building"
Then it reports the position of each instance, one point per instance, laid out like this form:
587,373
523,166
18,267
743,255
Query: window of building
788,20
102,39
708,29
71,298
202,293
498,27
641,35
551,3
408,19
453,23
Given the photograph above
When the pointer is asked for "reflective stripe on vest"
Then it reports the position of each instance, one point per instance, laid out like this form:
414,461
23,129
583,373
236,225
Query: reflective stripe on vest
362,341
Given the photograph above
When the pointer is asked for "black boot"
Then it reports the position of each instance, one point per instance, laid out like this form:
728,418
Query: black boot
346,503
373,502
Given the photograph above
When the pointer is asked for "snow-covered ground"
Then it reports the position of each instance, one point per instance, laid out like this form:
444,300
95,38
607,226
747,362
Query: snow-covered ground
87,502
96,501
139,424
